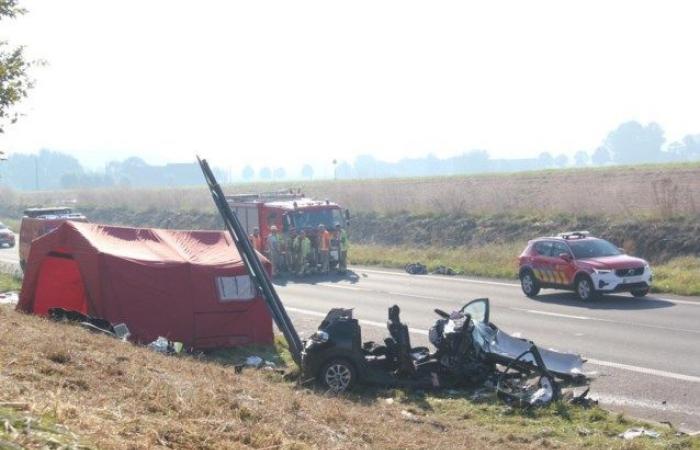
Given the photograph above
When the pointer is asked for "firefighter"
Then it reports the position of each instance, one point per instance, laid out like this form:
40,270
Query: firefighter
304,253
342,236
289,253
274,244
324,247
256,240
296,252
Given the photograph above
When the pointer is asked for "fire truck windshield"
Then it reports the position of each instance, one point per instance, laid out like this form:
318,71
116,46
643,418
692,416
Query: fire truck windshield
312,218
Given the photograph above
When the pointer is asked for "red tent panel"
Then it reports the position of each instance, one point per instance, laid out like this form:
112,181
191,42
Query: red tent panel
189,286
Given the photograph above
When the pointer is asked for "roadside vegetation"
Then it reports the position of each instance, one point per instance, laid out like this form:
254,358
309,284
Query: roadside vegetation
61,384
650,190
9,283
491,261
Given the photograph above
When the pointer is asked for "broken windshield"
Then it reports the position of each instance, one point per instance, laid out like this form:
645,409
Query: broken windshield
312,218
593,248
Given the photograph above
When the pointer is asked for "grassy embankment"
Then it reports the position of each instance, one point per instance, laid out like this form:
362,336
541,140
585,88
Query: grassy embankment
60,384
677,276
9,283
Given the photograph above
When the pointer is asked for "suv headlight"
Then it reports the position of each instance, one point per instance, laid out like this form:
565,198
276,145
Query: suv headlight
319,336
602,271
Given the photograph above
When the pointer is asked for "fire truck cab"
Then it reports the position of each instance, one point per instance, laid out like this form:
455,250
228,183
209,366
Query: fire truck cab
36,222
290,212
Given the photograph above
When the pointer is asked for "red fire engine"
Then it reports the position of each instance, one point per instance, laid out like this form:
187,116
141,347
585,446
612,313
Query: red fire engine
291,213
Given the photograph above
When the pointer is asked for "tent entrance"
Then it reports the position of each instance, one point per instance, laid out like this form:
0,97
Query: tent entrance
60,284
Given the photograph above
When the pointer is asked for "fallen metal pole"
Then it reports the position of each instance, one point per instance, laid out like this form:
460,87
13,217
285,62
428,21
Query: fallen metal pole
255,267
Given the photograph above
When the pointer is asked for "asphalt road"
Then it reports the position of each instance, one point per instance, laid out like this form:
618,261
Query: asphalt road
645,352
10,255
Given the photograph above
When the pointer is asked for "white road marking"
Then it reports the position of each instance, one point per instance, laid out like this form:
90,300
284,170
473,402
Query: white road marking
496,283
644,370
597,362
553,314
598,319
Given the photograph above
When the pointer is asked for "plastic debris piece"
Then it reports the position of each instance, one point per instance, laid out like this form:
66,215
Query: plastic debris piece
634,433
160,345
544,394
254,361
9,298
122,331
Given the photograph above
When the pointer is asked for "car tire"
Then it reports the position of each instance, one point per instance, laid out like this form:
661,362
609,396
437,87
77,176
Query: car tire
529,284
338,375
639,292
585,290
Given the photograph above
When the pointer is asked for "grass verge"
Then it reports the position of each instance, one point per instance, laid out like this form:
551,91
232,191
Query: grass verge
492,261
677,276
114,395
9,283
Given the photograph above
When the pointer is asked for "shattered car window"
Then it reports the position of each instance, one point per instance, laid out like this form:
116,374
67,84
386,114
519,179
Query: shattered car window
478,310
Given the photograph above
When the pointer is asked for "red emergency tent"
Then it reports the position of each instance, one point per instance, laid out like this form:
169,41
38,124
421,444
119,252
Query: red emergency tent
188,286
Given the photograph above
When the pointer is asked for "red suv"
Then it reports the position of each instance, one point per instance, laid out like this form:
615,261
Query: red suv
589,266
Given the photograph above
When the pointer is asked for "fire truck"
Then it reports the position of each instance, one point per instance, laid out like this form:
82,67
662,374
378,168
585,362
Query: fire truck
291,212
36,222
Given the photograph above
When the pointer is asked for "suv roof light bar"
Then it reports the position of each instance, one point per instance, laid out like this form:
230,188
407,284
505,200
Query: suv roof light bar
574,234
257,272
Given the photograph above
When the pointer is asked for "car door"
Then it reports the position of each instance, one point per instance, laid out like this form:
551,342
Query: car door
543,263
564,268
478,310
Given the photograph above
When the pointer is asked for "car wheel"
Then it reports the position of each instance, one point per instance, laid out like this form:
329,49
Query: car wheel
585,290
529,284
338,375
640,292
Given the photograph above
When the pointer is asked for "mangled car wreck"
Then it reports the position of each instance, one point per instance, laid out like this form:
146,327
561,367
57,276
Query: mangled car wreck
470,350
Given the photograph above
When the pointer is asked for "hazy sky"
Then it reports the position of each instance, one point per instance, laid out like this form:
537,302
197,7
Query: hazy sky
287,82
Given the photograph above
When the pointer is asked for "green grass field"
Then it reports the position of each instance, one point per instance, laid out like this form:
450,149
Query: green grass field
9,283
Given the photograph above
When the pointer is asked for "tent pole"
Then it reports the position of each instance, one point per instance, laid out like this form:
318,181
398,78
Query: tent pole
255,267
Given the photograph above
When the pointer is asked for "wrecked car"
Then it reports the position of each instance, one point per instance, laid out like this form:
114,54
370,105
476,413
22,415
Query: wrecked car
469,351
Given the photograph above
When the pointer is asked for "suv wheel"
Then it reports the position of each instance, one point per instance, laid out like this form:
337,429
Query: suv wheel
529,284
585,290
338,375
640,292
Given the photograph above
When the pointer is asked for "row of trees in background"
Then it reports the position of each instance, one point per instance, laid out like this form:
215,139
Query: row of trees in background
630,143
49,170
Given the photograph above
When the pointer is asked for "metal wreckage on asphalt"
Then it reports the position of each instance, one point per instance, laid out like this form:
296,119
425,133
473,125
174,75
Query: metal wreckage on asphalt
470,350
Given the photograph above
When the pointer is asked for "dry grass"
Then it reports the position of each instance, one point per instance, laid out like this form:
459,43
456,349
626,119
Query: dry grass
113,395
645,190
